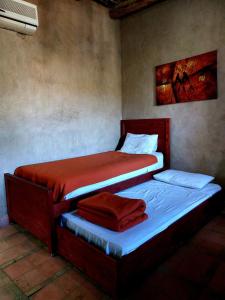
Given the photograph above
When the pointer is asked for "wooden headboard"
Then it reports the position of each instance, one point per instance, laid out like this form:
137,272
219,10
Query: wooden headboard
150,126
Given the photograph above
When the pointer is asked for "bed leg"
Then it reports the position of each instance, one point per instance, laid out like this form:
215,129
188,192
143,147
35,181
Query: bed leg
52,242
11,221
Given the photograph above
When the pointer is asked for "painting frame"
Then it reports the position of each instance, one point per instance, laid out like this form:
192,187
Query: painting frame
187,80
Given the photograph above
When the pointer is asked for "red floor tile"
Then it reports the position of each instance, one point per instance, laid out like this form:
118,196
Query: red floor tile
68,282
38,257
3,279
12,241
29,280
49,292
196,267
165,286
11,292
218,225
51,266
218,281
86,294
76,294
193,272
210,236
19,268
209,295
208,247
7,231
16,252
38,275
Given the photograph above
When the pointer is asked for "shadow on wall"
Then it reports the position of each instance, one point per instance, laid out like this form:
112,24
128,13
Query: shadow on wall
220,170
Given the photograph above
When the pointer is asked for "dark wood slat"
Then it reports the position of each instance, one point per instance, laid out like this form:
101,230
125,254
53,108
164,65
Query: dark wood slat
127,9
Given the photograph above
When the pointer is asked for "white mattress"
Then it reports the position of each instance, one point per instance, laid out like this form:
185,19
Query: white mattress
93,187
165,204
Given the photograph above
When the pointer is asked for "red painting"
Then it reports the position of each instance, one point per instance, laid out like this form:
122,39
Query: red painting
190,79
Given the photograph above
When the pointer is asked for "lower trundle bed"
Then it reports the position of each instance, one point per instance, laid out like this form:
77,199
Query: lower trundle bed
116,260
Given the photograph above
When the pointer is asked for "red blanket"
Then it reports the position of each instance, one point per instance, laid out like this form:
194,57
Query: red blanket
111,211
64,176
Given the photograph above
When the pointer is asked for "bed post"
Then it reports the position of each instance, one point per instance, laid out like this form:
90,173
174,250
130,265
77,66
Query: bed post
167,143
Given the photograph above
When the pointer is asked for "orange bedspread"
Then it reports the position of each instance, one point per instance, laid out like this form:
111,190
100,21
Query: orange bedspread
112,211
64,176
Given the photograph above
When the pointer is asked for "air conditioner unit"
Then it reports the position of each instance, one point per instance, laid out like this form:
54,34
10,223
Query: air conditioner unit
19,16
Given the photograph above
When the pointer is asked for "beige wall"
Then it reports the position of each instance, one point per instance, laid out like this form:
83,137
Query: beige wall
60,90
170,31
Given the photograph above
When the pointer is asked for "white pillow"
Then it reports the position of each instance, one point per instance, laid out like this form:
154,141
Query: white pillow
140,143
186,179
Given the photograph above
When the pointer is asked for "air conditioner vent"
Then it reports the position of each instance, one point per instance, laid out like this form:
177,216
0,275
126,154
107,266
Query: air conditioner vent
18,8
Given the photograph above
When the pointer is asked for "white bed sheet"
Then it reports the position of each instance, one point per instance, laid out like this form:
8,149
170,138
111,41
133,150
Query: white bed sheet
93,187
165,204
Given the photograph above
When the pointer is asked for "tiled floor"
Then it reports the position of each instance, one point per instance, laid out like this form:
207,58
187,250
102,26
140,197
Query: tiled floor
195,271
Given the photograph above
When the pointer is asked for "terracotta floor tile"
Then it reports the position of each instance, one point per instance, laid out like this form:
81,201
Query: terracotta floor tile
3,279
197,267
11,292
218,224
19,268
51,266
208,247
79,276
77,294
12,241
15,252
49,292
174,262
38,257
165,286
82,293
218,281
211,236
92,290
209,295
7,294
67,282
7,231
39,274
191,273
29,280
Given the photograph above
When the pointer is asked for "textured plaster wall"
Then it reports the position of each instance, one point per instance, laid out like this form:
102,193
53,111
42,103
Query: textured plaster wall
60,90
166,32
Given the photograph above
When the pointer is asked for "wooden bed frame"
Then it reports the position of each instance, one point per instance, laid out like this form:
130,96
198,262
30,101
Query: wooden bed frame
31,205
118,275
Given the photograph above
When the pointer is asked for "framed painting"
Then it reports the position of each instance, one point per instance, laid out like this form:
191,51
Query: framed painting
190,79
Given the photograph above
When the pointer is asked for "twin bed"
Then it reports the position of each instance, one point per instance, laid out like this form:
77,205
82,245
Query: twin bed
45,206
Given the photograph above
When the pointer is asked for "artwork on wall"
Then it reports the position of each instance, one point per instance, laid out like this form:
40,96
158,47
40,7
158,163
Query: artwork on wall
190,79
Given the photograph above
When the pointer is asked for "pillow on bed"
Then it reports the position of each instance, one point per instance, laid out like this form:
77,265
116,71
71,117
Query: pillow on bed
186,179
140,143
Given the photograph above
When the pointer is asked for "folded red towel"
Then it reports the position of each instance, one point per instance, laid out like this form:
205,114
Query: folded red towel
111,211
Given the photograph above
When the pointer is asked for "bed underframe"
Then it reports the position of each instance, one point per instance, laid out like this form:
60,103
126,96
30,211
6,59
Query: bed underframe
117,275
32,206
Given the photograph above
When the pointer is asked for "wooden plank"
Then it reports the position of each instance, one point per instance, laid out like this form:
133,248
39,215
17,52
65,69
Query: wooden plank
128,8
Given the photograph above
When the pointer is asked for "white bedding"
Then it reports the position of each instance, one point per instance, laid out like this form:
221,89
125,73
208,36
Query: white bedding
165,204
93,187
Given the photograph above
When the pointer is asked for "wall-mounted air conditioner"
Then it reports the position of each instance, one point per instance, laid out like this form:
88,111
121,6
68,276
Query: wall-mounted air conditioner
18,15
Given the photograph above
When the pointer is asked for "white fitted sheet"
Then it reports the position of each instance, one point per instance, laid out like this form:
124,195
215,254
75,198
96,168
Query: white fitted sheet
165,204
93,187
